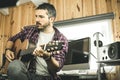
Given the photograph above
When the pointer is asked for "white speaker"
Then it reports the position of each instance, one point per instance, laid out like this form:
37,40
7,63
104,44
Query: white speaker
110,52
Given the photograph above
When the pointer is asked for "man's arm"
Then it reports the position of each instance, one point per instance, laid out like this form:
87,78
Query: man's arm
53,64
56,60
8,53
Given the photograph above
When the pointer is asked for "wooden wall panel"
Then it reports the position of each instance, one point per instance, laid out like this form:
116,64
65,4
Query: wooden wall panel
4,33
116,23
108,4
22,15
0,40
59,5
101,6
77,8
116,28
72,9
68,10
11,24
1,35
88,8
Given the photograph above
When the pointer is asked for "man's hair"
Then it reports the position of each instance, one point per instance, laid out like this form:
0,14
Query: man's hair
49,7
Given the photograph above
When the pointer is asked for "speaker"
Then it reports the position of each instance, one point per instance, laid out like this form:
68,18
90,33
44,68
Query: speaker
110,52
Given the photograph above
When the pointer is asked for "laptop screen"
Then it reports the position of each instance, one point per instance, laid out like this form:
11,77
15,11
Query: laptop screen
78,54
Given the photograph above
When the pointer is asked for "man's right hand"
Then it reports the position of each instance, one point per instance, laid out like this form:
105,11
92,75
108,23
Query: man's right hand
9,55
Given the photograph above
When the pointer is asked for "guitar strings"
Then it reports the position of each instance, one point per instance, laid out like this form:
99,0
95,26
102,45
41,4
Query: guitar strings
44,47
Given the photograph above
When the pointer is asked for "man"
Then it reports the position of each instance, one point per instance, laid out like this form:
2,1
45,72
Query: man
44,65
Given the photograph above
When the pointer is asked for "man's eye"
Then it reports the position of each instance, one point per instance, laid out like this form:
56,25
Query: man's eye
41,16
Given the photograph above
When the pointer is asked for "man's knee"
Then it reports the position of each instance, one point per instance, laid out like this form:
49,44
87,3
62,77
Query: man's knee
17,71
15,67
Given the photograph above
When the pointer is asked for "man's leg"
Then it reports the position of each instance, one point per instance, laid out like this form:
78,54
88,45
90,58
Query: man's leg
17,71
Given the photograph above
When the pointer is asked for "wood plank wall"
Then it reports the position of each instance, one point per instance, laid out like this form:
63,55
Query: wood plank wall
11,24
66,9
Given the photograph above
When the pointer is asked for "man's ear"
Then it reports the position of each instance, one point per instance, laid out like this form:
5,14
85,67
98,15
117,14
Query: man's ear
52,19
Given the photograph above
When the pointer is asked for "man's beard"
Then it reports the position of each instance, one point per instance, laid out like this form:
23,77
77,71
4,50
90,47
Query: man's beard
44,26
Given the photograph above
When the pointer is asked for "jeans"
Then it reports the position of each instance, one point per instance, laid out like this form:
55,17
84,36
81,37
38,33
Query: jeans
18,71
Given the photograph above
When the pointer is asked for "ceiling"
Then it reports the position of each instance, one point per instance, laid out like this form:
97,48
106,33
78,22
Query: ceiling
5,4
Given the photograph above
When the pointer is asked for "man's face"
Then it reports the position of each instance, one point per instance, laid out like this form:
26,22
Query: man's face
42,19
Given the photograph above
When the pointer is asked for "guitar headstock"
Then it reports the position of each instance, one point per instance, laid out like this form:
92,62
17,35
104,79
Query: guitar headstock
53,46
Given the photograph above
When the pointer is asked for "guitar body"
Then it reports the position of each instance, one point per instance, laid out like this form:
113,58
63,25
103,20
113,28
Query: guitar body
23,51
17,47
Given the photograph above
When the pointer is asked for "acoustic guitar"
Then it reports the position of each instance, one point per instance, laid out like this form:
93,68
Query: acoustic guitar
26,48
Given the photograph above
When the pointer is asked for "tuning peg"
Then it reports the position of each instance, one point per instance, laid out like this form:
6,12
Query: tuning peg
52,48
56,48
48,50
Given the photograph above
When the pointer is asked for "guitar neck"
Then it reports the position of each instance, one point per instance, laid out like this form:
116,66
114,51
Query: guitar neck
46,47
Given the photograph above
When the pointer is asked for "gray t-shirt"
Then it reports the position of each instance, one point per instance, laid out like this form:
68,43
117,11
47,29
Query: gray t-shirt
41,65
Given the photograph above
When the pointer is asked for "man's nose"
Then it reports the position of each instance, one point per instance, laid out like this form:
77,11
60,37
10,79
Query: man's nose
37,18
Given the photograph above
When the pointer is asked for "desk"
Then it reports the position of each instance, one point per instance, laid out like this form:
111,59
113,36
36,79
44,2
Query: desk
110,62
79,77
65,77
3,77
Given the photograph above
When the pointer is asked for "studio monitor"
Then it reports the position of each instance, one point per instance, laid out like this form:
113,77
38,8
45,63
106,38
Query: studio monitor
110,52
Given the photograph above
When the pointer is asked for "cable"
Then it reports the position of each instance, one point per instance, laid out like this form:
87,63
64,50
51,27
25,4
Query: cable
93,56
